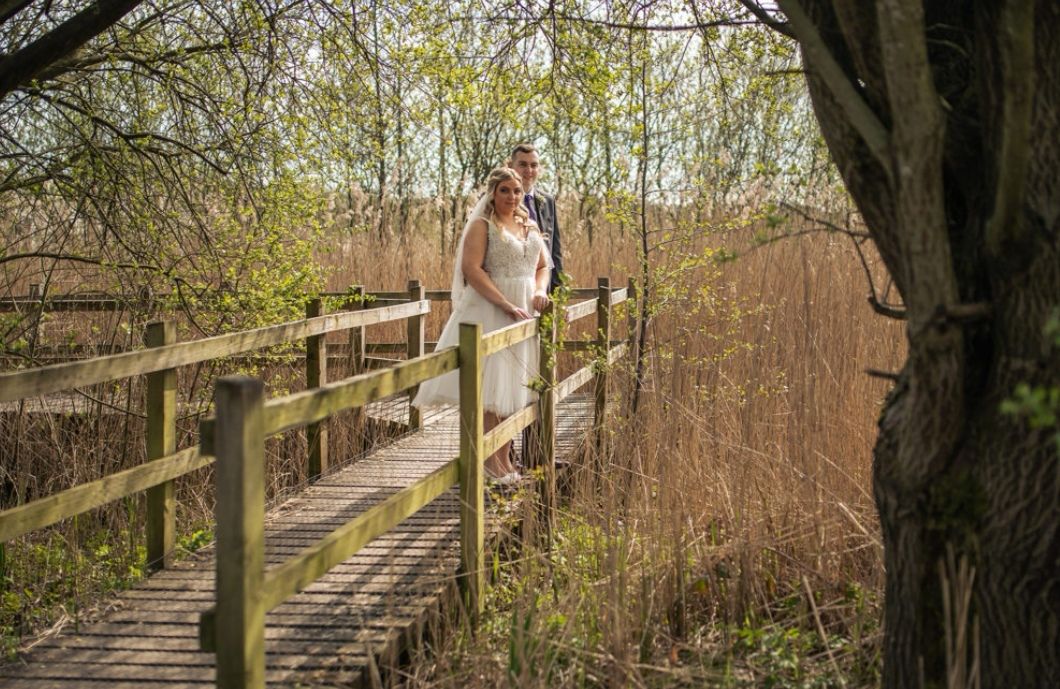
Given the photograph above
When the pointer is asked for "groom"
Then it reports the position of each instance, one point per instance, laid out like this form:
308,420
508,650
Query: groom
542,207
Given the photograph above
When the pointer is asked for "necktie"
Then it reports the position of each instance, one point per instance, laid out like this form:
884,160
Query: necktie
529,201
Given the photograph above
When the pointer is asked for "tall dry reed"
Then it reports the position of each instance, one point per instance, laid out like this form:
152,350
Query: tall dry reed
727,533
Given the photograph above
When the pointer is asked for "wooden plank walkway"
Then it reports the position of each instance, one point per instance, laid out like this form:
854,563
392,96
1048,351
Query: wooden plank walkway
357,618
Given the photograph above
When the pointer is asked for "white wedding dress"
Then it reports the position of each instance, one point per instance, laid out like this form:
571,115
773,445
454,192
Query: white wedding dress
511,264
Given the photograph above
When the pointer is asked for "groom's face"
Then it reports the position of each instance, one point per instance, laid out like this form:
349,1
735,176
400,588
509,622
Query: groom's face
528,165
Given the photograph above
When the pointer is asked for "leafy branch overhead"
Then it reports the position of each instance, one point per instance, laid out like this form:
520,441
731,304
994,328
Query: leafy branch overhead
35,55
178,144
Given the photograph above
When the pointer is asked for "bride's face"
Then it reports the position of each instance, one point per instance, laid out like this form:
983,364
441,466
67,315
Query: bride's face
507,196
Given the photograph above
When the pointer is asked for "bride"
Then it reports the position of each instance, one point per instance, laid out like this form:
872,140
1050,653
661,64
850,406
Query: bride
503,258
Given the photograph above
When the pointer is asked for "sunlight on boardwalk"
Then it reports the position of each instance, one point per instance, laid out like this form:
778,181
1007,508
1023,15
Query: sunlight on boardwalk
371,603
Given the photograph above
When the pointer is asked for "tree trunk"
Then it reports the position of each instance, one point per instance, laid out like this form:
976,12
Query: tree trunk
942,118
995,504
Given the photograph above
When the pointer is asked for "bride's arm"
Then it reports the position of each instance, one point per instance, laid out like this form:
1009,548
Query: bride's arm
477,277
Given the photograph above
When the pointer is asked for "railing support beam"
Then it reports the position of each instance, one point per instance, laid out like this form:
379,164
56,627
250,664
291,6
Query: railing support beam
472,502
161,442
240,446
603,343
544,454
417,335
631,313
316,372
356,366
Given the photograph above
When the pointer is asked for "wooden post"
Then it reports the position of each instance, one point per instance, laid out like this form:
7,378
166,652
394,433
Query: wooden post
603,343
34,290
161,441
240,449
357,353
417,335
472,504
316,374
356,366
544,454
631,315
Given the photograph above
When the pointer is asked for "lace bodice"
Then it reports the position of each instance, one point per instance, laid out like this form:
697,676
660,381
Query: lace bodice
508,256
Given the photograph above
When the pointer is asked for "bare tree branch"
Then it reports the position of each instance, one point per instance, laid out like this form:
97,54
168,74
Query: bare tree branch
53,256
820,60
885,309
885,375
22,66
857,238
768,19
132,138
9,8
80,62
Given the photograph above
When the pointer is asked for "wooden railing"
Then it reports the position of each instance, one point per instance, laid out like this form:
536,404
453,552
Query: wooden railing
236,436
35,300
158,362
246,591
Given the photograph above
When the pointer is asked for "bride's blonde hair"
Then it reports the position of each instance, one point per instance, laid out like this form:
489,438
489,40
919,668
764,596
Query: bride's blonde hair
496,176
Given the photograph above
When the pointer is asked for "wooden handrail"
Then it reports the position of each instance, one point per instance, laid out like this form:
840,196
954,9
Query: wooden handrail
393,347
574,312
165,462
507,336
371,296
11,304
102,303
293,575
47,379
509,428
246,591
568,385
618,296
580,310
310,406
92,303
583,375
303,569
583,345
67,503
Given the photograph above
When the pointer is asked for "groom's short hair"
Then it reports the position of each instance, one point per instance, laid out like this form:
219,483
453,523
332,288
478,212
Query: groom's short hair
522,148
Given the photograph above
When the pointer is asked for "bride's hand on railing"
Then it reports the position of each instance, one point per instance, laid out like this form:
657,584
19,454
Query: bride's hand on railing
517,313
540,301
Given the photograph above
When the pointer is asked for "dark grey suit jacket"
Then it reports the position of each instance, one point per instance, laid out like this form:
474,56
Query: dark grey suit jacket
545,206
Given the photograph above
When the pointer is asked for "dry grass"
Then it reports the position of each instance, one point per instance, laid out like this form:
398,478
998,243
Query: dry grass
727,534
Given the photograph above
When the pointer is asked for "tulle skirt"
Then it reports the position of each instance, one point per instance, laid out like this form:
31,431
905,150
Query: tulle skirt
506,375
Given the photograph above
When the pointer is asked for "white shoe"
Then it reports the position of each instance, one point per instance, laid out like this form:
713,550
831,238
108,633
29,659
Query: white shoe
509,479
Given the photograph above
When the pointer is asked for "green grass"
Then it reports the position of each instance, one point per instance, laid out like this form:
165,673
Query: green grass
58,576
601,610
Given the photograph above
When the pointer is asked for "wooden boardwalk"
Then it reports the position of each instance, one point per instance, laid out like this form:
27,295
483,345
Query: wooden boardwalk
340,630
